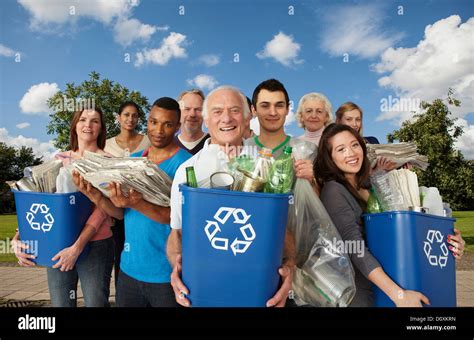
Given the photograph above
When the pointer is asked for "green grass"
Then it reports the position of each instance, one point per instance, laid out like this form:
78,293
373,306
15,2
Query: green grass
8,224
465,223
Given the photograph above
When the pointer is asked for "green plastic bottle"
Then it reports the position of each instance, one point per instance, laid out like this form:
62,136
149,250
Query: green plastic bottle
373,204
281,174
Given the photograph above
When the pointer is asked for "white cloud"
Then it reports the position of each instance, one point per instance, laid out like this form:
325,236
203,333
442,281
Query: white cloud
209,59
46,12
465,143
441,60
290,118
171,47
128,30
356,30
203,81
23,125
6,51
35,100
283,49
45,149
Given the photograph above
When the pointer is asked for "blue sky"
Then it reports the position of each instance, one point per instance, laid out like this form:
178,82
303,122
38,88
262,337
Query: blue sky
361,51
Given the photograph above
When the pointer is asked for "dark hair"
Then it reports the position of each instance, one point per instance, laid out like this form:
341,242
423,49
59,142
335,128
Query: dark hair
128,103
271,85
249,103
168,103
326,170
73,142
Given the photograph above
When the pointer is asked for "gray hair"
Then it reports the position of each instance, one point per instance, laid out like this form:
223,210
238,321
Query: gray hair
191,91
314,96
243,98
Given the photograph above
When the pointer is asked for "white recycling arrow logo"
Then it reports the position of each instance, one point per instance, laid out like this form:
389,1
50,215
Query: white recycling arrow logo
238,246
40,209
435,238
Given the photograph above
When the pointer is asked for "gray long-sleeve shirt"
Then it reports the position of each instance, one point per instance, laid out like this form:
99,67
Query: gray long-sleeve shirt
346,214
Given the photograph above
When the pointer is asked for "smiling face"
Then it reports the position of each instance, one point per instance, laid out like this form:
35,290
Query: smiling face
352,118
271,110
346,152
128,118
88,126
314,115
191,112
225,117
162,125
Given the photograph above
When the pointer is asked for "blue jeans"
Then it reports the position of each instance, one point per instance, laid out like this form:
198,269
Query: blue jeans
94,271
134,293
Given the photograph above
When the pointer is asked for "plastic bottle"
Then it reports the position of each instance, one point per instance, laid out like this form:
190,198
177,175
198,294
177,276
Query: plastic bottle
448,212
282,173
373,204
263,164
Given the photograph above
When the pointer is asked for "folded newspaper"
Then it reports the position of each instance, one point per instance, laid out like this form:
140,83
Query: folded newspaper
400,153
131,172
39,178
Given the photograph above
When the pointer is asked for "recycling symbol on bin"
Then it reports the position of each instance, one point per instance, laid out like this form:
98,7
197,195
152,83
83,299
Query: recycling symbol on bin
40,209
434,238
240,217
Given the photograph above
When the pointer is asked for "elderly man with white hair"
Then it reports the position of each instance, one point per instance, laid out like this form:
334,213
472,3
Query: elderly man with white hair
225,111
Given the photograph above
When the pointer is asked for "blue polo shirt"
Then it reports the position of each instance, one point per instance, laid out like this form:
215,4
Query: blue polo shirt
144,254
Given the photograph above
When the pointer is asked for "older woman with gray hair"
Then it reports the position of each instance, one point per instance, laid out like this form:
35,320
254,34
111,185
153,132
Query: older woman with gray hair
314,113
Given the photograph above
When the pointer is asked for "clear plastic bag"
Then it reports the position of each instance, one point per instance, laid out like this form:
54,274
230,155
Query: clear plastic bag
324,276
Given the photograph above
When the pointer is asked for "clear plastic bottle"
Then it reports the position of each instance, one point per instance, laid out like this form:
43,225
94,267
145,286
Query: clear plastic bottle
263,164
448,212
282,174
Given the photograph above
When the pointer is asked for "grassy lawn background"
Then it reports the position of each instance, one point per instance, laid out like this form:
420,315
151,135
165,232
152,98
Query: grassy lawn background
464,222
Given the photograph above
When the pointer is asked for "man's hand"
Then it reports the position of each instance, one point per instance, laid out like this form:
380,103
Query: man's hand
86,188
304,169
133,199
286,272
180,290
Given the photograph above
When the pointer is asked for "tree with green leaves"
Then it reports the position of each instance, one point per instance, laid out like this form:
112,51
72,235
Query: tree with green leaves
104,94
434,131
12,162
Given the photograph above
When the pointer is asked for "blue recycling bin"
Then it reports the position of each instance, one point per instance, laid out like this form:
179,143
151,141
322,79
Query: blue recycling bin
413,250
49,223
232,246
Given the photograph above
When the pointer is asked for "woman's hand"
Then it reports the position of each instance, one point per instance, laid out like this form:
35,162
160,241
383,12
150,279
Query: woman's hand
24,259
456,244
67,258
386,164
411,298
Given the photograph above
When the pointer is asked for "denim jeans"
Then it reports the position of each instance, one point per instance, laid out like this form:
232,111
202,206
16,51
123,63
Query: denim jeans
134,293
94,271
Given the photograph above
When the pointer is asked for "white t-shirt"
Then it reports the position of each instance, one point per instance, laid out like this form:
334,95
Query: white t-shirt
209,160
191,145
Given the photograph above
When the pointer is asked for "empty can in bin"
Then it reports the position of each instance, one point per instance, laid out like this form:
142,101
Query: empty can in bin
232,246
413,250
49,223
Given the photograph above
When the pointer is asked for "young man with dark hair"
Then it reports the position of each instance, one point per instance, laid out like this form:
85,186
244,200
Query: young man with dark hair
271,104
144,278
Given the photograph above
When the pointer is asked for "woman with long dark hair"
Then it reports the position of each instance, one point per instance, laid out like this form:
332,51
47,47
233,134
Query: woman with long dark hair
342,170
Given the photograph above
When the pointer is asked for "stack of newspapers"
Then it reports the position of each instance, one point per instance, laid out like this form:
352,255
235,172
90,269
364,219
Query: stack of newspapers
39,178
136,173
400,153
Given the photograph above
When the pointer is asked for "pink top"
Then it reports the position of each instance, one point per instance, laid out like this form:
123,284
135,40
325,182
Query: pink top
312,136
99,220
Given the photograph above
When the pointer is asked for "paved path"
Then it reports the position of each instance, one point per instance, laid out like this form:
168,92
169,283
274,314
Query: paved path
30,284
